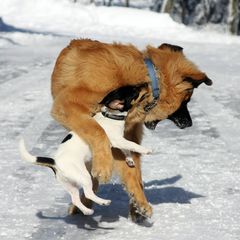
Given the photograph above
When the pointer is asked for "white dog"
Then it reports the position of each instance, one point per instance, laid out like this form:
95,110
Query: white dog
69,160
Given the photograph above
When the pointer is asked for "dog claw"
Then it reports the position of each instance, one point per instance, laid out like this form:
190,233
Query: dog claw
102,174
139,212
143,212
88,212
103,178
148,151
130,162
107,202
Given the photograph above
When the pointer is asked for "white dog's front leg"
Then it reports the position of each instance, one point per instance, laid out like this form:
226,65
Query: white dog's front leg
125,144
129,160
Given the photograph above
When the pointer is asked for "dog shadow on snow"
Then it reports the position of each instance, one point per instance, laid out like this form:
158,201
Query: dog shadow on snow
156,192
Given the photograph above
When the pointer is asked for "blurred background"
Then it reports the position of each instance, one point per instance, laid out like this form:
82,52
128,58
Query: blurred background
79,16
221,14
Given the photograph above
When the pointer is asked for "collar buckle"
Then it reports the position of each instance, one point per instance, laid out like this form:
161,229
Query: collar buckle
150,105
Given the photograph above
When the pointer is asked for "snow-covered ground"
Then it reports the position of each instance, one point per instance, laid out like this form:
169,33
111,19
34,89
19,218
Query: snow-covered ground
193,183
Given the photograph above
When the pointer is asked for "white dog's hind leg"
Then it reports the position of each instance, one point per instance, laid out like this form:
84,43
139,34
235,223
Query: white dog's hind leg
77,202
88,192
74,192
85,180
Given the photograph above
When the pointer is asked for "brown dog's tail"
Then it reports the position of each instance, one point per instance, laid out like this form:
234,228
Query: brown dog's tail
43,161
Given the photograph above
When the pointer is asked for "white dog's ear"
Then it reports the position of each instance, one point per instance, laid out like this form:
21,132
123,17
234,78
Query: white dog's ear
116,104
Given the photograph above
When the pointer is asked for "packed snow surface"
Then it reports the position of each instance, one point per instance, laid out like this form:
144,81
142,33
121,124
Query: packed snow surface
193,180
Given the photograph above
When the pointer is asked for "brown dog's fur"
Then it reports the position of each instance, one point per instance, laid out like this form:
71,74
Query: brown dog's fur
86,71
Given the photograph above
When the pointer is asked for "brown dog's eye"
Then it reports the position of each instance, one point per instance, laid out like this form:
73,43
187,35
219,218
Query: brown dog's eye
143,97
188,94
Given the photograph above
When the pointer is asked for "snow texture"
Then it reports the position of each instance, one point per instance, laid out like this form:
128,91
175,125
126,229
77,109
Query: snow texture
192,181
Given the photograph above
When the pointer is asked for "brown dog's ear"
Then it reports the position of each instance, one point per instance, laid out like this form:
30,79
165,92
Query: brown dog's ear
196,81
171,47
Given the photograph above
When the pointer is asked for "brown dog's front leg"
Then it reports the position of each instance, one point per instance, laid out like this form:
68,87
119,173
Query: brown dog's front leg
76,117
132,179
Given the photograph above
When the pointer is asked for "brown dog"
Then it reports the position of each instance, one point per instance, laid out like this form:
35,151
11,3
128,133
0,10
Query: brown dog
86,71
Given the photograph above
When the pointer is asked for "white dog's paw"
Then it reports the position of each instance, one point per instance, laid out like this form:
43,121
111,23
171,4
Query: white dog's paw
103,202
106,202
87,211
130,162
148,151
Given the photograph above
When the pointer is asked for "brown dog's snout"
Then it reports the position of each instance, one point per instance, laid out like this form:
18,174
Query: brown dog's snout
152,125
181,117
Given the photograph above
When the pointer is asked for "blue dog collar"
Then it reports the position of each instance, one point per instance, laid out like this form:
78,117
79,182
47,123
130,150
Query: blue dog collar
153,76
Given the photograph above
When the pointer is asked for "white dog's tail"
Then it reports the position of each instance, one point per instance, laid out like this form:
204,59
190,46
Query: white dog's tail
43,161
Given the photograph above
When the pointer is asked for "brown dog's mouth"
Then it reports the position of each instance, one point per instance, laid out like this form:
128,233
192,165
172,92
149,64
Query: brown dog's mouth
181,123
152,125
181,117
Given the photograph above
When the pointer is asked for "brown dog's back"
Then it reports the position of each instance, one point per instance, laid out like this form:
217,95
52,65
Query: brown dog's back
97,66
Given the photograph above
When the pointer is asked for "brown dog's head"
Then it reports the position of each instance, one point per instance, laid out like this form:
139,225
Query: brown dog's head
127,97
178,79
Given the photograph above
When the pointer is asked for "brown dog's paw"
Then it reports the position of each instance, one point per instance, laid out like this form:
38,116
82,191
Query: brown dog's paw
146,210
140,212
102,172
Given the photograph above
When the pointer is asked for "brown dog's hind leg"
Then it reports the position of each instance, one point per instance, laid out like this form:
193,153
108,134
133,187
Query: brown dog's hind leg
68,109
